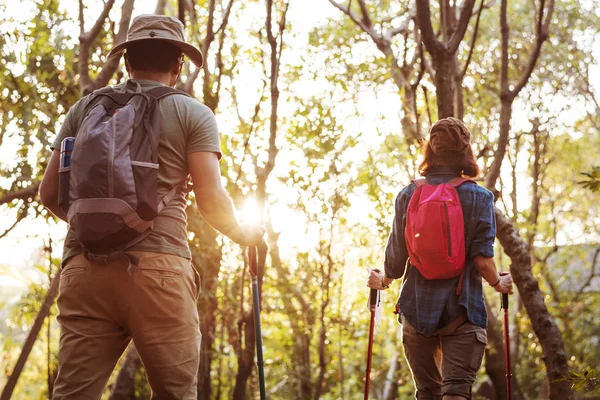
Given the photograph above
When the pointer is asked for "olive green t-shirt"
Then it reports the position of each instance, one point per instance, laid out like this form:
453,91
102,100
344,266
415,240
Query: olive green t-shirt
186,126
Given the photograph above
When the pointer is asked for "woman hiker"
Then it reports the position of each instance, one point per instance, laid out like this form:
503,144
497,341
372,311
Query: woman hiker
443,320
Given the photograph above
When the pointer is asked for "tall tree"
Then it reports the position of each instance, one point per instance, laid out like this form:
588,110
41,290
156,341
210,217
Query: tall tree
443,52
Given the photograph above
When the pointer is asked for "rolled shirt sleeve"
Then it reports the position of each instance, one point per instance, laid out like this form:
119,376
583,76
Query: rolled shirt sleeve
485,231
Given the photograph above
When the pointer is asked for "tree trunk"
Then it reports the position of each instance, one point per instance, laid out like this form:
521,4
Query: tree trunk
209,264
246,358
31,338
443,65
206,257
390,388
124,388
160,7
494,171
543,324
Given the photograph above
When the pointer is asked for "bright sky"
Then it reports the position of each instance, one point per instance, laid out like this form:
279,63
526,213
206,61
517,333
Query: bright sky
378,112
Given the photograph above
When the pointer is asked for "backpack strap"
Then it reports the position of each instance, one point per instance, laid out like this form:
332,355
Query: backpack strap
420,182
164,91
456,182
168,197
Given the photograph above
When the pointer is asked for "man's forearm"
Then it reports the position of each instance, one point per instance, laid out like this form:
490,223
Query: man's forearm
487,268
217,209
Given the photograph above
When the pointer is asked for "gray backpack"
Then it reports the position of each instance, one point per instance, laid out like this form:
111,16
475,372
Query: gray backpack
112,196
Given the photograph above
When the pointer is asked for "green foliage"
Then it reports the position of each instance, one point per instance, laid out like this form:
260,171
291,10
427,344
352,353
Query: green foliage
585,382
592,181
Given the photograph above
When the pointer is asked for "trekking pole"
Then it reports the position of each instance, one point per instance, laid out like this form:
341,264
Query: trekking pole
504,299
372,307
257,330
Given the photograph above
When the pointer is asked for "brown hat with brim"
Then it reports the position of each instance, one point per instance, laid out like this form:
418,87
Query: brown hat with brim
158,27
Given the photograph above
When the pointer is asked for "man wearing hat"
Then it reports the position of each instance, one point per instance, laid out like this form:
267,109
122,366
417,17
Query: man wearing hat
103,307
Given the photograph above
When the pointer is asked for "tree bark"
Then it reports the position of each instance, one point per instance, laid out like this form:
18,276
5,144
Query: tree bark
391,386
124,388
245,357
31,338
444,82
543,324
206,254
160,7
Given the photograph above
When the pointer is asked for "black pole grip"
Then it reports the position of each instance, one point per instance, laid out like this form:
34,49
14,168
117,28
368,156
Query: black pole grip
504,298
373,298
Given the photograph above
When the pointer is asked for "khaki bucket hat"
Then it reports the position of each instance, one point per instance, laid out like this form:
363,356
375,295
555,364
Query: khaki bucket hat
158,27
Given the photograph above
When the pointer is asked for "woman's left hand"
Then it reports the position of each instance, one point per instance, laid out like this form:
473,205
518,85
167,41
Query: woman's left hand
375,279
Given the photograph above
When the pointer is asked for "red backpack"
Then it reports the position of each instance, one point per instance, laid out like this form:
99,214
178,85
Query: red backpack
435,230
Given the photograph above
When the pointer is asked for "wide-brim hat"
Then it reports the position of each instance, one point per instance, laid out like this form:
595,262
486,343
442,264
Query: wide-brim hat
158,27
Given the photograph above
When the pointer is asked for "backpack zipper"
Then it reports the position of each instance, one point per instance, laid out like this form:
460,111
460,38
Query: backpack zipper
448,229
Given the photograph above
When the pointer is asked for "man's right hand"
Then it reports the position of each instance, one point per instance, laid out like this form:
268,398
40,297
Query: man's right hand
249,235
505,283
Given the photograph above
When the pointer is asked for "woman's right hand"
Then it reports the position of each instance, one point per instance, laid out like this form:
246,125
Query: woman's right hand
504,284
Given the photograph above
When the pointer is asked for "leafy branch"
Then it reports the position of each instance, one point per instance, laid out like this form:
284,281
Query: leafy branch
585,382
592,181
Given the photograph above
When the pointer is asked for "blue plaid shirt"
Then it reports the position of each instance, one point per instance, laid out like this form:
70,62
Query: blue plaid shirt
429,305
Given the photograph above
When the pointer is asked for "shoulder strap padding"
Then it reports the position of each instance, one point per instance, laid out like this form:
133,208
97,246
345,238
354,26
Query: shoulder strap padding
104,90
164,91
420,182
458,181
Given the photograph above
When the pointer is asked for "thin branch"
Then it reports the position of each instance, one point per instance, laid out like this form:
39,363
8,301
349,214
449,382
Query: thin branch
81,19
365,13
27,193
402,28
422,69
85,41
95,31
251,130
225,17
592,275
367,29
432,44
461,26
541,36
111,65
473,41
20,217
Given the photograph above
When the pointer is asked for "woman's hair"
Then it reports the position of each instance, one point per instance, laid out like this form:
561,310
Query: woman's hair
152,55
449,145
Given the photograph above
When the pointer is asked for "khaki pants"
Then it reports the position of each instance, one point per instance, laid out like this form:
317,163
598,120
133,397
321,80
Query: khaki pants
446,362
103,307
